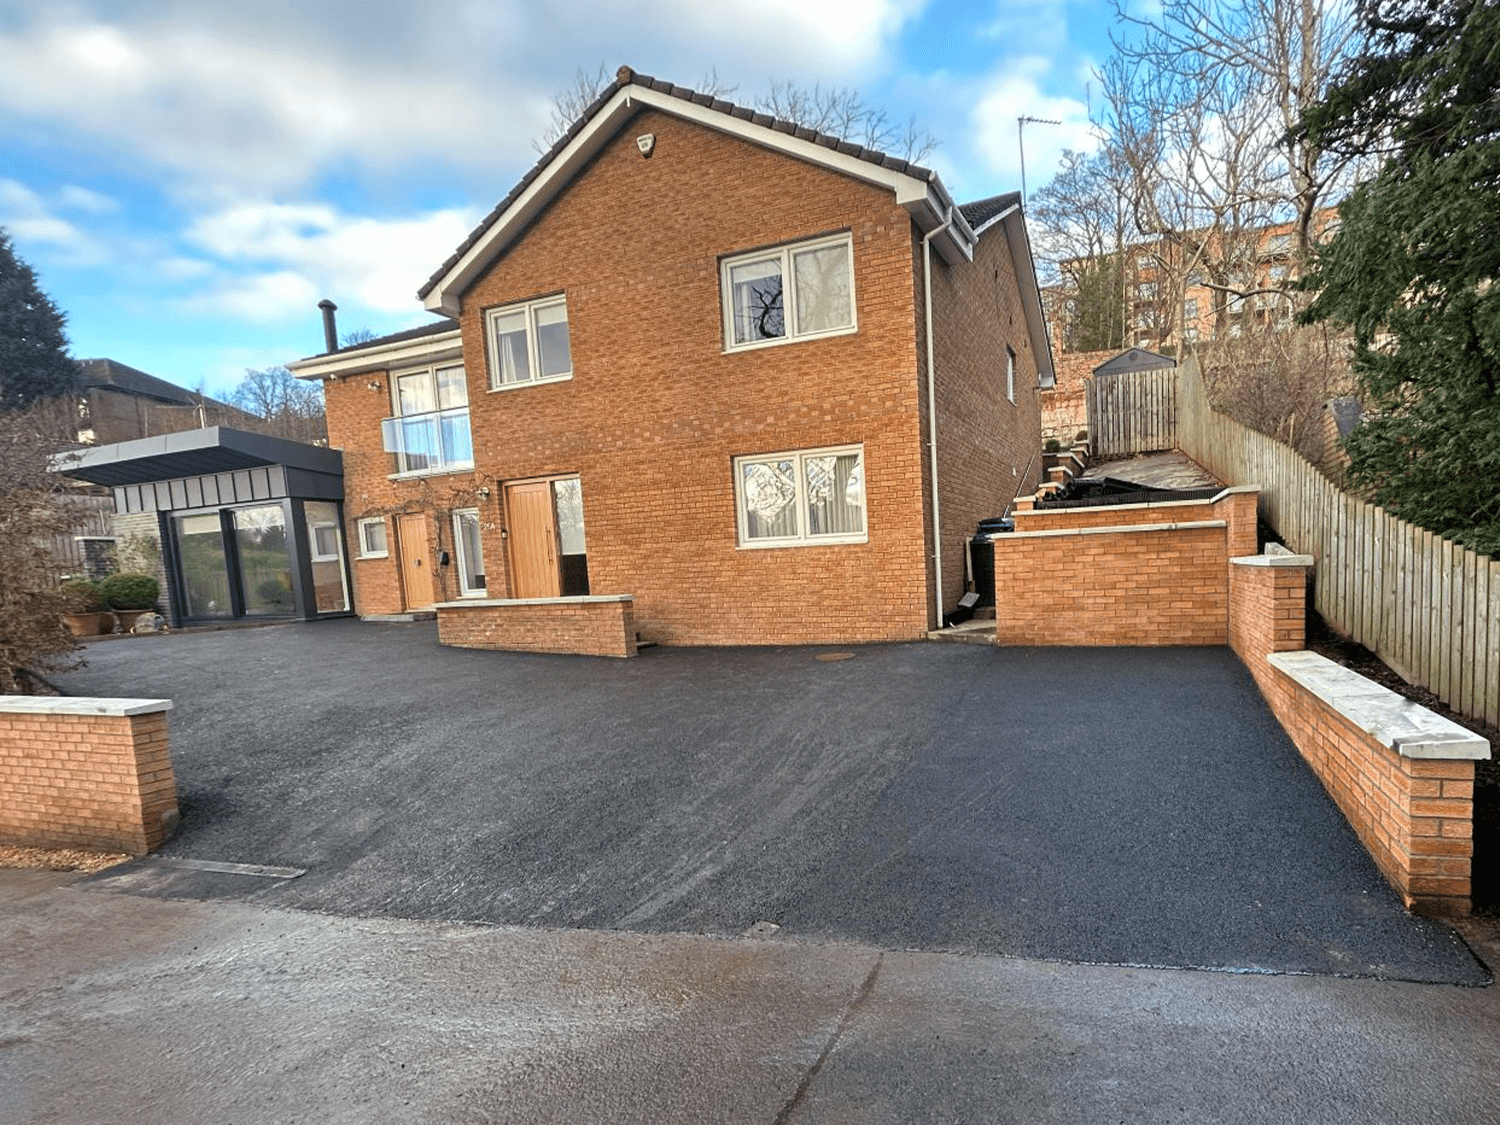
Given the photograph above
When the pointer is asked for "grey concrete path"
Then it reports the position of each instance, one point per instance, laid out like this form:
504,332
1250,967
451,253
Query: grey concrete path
137,1011
1131,807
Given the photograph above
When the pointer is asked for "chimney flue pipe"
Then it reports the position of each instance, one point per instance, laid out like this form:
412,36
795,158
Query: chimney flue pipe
330,327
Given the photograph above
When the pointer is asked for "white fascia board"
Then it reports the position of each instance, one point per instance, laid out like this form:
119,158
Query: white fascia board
426,349
1031,295
928,203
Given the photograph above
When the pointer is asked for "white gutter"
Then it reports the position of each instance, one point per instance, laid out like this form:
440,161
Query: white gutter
937,522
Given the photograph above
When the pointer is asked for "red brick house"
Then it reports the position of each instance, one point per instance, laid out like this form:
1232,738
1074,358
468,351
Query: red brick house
684,386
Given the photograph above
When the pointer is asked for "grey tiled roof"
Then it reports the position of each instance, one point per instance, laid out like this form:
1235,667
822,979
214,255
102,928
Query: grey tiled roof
113,373
982,211
625,77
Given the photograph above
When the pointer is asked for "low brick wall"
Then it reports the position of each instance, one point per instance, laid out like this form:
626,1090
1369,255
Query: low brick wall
1131,574
86,773
602,625
1402,776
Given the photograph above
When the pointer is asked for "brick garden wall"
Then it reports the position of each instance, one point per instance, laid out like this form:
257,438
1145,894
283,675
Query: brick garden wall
1408,790
1152,574
1065,407
86,773
592,626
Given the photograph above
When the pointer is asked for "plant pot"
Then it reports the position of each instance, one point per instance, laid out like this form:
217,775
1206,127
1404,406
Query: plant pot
128,618
83,624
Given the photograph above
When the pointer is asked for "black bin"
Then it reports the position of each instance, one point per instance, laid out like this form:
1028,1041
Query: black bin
982,558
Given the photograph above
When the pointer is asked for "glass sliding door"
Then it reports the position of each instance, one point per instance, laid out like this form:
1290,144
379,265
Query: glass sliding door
265,566
205,574
325,542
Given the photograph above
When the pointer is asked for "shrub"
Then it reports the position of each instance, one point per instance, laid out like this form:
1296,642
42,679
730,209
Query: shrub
1052,446
130,591
82,595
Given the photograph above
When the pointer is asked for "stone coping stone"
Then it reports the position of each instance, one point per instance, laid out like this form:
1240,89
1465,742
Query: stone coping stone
582,599
1113,529
1408,728
79,705
1273,559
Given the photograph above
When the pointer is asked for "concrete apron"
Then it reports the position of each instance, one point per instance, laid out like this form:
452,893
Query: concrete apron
128,1009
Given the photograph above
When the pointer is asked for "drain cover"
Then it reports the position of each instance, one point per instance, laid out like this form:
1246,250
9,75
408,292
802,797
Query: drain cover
830,657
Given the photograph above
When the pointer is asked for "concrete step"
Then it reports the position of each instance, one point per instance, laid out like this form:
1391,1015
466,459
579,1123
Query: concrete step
974,632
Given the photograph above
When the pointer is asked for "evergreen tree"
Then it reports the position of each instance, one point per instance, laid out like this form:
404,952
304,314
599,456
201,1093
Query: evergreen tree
1414,269
34,361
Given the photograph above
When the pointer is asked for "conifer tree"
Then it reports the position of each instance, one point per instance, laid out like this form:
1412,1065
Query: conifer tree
34,361
1415,266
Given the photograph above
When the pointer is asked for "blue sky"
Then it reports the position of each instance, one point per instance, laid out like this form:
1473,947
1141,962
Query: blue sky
190,177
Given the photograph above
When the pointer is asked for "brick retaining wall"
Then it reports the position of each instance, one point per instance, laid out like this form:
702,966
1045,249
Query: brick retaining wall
589,626
1402,776
86,773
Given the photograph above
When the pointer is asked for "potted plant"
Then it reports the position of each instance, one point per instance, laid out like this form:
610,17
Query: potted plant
85,605
130,595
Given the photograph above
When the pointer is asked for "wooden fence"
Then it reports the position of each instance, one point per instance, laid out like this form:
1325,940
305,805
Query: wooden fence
1429,608
1132,412
93,516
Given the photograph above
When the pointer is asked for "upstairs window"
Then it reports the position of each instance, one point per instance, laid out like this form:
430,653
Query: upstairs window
430,432
790,293
529,343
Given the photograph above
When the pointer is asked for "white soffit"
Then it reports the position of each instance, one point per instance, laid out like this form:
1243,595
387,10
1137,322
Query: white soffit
928,203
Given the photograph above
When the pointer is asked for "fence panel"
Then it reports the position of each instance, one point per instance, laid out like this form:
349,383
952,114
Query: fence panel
1426,606
1132,412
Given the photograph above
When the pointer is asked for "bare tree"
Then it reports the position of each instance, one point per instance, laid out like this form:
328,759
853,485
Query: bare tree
34,509
1200,101
290,407
838,111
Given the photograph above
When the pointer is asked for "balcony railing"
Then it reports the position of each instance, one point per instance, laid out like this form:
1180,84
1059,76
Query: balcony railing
435,442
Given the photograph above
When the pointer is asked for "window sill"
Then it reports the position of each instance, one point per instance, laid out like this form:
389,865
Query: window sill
523,384
821,541
782,341
365,558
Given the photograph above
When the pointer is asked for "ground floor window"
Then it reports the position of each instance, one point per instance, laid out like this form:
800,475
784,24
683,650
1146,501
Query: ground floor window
799,498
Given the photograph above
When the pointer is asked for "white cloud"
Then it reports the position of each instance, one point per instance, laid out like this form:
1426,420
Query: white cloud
275,95
1017,93
34,223
376,264
262,298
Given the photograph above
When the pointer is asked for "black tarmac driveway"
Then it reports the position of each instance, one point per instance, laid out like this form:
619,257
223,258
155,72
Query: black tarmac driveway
1122,806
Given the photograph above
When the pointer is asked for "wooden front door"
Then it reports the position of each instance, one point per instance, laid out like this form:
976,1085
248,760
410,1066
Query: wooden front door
416,567
533,541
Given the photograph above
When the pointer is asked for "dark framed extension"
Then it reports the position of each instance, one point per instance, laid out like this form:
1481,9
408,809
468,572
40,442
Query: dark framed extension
250,527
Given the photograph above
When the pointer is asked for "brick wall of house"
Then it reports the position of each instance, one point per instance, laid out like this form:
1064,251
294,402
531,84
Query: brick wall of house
657,408
1414,815
584,626
1065,406
989,447
78,773
355,410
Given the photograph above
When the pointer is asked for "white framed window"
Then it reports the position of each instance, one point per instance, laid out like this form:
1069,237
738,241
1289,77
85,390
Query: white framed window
469,553
1190,309
529,343
429,432
796,292
372,541
1010,373
801,498
323,538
